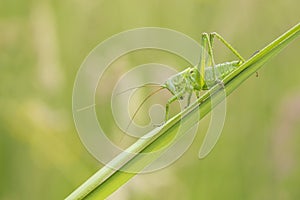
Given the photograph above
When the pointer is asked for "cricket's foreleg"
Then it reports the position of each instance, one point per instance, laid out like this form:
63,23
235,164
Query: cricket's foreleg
197,93
189,99
172,99
219,37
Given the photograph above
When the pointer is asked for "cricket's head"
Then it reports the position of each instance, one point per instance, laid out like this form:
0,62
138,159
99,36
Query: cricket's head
184,81
177,83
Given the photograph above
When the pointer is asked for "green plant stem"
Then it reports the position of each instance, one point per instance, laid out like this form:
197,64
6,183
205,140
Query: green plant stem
107,180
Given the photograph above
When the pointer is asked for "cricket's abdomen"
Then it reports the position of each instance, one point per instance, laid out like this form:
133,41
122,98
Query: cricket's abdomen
222,70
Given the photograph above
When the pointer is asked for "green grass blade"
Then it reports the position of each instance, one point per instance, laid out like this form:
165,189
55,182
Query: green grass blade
106,180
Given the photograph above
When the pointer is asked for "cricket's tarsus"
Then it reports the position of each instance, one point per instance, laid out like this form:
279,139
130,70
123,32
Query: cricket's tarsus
221,83
256,52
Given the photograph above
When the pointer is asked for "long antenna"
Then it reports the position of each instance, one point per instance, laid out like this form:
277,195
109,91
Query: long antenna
140,106
137,87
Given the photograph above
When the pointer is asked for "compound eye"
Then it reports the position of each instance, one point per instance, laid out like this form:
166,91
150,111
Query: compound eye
192,71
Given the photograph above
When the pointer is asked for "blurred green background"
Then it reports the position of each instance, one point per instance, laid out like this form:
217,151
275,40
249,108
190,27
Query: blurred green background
43,43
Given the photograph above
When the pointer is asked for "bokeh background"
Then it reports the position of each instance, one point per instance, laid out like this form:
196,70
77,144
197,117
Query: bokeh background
43,43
